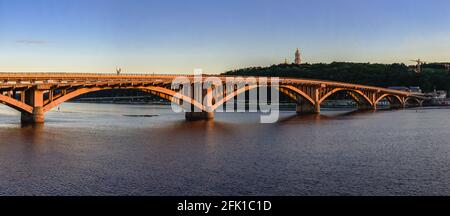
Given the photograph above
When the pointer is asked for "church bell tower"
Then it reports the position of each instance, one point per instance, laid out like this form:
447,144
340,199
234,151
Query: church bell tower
298,57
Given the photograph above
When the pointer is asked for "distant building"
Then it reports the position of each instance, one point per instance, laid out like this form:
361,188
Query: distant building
298,57
415,89
437,95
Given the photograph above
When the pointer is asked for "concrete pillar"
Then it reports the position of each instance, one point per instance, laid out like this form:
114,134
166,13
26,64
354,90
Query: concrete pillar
307,108
203,96
317,108
36,117
366,107
34,98
194,116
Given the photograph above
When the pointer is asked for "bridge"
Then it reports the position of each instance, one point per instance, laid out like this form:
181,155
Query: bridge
34,94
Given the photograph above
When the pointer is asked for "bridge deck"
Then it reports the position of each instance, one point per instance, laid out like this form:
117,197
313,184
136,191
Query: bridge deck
24,79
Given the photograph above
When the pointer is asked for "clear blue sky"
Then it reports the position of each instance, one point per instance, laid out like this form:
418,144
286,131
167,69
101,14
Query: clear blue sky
176,36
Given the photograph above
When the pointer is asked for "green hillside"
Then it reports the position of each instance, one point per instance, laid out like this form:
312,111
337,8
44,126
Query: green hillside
383,75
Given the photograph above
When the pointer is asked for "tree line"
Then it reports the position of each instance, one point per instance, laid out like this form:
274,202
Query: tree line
383,75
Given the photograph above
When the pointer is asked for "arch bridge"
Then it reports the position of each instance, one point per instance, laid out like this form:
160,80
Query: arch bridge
34,94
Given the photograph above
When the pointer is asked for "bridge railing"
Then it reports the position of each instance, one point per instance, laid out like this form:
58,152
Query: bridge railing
35,78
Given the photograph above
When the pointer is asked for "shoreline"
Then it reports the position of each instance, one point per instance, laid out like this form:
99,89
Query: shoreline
283,105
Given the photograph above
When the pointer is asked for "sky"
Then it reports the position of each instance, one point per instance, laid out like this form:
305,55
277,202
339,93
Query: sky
177,36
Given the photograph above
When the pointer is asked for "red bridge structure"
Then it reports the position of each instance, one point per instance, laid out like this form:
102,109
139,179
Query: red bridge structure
34,94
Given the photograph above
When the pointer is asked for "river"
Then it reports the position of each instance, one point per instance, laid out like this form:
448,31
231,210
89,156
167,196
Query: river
110,149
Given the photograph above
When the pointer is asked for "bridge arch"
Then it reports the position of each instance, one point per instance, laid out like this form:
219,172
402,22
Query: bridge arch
296,91
414,101
166,92
163,93
281,89
393,99
15,104
232,95
357,95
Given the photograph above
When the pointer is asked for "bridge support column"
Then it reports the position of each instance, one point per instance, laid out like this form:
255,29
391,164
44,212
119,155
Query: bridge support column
194,116
32,118
307,108
366,107
34,98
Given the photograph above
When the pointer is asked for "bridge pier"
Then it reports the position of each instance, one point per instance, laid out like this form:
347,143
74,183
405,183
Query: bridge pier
307,108
34,98
33,118
366,107
195,116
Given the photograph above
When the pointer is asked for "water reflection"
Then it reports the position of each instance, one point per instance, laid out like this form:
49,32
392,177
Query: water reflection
331,115
32,133
101,150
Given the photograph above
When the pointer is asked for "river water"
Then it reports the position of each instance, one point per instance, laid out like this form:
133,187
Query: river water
106,149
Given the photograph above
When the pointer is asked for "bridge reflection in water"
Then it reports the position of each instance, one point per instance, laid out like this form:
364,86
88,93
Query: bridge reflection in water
34,94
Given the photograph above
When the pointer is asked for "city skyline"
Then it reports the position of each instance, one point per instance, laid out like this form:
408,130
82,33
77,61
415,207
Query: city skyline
177,36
